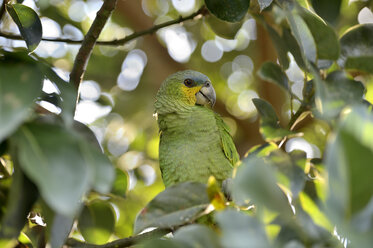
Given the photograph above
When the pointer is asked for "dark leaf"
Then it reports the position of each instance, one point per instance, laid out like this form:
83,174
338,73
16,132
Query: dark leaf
273,73
28,23
328,10
230,11
293,47
255,180
197,236
356,48
241,230
22,196
21,86
175,206
280,45
96,222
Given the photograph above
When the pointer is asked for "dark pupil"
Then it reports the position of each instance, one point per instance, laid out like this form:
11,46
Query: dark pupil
188,82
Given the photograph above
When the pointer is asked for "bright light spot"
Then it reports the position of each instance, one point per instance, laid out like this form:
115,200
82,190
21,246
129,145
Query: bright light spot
130,160
116,210
118,145
294,73
132,69
132,179
71,32
183,6
244,63
211,51
50,107
297,89
49,87
179,43
48,48
245,102
246,33
225,44
155,7
88,111
77,11
365,16
226,70
148,174
89,90
238,81
249,27
30,4
312,151
92,7
37,220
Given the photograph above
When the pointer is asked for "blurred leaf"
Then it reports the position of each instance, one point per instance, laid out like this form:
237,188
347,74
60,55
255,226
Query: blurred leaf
269,123
230,11
356,48
348,161
293,46
120,185
264,4
273,73
256,181
28,23
175,206
262,150
96,222
67,91
165,243
197,236
52,157
326,40
22,196
227,30
241,230
337,92
328,10
215,194
280,46
18,90
58,226
314,212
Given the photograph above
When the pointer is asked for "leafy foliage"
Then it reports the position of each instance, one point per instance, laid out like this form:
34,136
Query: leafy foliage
306,183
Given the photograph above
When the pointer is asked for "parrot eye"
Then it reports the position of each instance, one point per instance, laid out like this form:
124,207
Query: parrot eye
189,82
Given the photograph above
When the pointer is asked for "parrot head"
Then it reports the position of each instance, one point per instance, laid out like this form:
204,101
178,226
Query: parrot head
188,88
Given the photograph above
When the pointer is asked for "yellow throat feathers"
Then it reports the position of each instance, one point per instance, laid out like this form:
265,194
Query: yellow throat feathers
190,93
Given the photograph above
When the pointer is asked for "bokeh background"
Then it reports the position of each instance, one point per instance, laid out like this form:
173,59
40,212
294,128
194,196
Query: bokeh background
119,88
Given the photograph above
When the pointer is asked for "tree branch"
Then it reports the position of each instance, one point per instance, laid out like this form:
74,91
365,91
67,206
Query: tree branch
117,42
126,242
89,41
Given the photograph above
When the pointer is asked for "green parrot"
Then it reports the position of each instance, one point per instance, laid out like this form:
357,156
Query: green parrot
194,141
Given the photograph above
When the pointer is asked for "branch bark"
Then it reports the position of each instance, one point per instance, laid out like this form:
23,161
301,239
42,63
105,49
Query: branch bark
120,243
89,41
117,42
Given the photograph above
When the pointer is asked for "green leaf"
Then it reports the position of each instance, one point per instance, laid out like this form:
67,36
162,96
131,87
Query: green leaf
22,196
28,23
197,236
18,90
293,47
120,185
326,40
273,73
227,30
356,48
328,10
256,181
230,11
175,206
241,230
264,4
269,123
96,222
280,46
50,155
348,161
337,92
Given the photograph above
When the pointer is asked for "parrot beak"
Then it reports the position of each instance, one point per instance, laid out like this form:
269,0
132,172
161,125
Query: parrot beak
206,95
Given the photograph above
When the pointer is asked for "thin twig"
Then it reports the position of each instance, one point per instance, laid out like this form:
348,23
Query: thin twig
89,41
116,42
120,243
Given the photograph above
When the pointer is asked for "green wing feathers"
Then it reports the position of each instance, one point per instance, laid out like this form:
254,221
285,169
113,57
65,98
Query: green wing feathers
226,141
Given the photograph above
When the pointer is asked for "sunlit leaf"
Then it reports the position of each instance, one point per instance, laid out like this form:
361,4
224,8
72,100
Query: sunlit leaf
120,185
241,230
255,180
269,123
28,23
356,48
230,11
23,194
18,91
273,73
96,222
175,206
227,30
